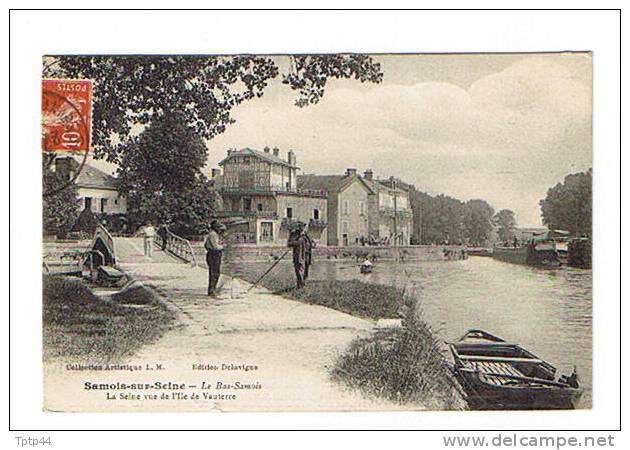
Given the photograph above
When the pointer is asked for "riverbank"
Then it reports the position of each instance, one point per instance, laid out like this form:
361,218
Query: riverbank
403,364
80,327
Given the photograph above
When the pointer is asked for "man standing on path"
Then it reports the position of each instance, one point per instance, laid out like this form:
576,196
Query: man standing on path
302,253
214,253
149,236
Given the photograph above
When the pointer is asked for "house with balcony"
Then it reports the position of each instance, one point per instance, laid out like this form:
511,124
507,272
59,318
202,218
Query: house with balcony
261,198
390,213
347,203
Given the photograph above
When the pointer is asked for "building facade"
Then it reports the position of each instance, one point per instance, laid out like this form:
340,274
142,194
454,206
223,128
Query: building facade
261,198
96,190
390,213
347,200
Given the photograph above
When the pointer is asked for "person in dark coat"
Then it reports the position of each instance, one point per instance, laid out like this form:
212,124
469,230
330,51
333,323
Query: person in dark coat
302,246
163,233
214,250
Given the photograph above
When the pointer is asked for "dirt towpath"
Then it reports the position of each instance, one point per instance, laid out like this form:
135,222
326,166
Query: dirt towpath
280,350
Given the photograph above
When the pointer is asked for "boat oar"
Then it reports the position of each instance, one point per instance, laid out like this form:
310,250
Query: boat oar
268,270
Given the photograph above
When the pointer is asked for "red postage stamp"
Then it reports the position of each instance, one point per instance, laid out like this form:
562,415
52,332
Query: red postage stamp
66,115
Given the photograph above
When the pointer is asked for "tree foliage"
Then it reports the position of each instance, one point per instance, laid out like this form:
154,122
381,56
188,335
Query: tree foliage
60,211
568,205
477,222
505,221
130,92
160,173
443,218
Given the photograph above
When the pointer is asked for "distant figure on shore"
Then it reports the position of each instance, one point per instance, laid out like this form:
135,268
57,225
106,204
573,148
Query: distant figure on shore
515,242
148,231
214,253
163,233
302,246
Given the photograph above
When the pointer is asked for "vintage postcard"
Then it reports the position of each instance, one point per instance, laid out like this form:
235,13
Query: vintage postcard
310,232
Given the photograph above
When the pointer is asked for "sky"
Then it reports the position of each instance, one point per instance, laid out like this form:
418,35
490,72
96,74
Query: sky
503,128
499,127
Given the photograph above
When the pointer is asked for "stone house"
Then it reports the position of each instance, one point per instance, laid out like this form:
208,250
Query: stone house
261,197
391,216
347,201
96,190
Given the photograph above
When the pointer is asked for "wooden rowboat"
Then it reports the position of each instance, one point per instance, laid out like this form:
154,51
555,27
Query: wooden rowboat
496,374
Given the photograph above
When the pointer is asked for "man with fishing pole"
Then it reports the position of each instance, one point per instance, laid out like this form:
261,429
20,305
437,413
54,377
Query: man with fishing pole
302,246
214,250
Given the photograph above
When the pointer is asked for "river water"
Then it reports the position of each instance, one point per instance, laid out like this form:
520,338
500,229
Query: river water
547,311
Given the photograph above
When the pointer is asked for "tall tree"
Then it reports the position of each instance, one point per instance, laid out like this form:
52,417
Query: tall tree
477,221
568,205
161,174
505,221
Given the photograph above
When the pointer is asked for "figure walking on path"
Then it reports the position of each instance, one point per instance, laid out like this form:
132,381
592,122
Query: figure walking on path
148,231
302,253
163,233
213,256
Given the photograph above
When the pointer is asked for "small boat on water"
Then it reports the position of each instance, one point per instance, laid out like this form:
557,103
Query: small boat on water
496,374
366,267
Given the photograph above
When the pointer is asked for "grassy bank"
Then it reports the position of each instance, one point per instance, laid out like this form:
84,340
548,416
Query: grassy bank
80,327
370,301
403,365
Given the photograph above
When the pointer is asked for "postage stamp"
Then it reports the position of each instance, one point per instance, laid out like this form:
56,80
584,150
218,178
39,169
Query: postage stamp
66,115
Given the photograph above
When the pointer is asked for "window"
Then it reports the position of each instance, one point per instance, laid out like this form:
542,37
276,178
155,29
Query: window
266,231
289,213
259,206
103,204
88,202
247,204
346,207
344,226
115,201
316,214
361,208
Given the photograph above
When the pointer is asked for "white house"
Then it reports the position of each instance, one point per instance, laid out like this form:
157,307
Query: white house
97,190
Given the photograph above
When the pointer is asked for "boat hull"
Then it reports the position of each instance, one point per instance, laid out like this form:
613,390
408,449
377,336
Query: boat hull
484,396
496,374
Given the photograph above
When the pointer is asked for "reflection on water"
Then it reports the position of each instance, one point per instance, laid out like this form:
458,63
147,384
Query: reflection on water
547,311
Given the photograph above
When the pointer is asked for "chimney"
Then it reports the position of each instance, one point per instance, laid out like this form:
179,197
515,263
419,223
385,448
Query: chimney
216,173
368,175
291,158
276,151
63,167
267,149
351,172
229,151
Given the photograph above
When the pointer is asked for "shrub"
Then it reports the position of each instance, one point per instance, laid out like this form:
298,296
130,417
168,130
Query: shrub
403,365
79,326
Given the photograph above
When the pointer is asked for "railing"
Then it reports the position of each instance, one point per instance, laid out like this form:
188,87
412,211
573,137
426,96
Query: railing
317,223
177,246
263,214
273,190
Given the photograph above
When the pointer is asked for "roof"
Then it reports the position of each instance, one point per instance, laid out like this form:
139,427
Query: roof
375,185
92,177
329,183
393,181
269,157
